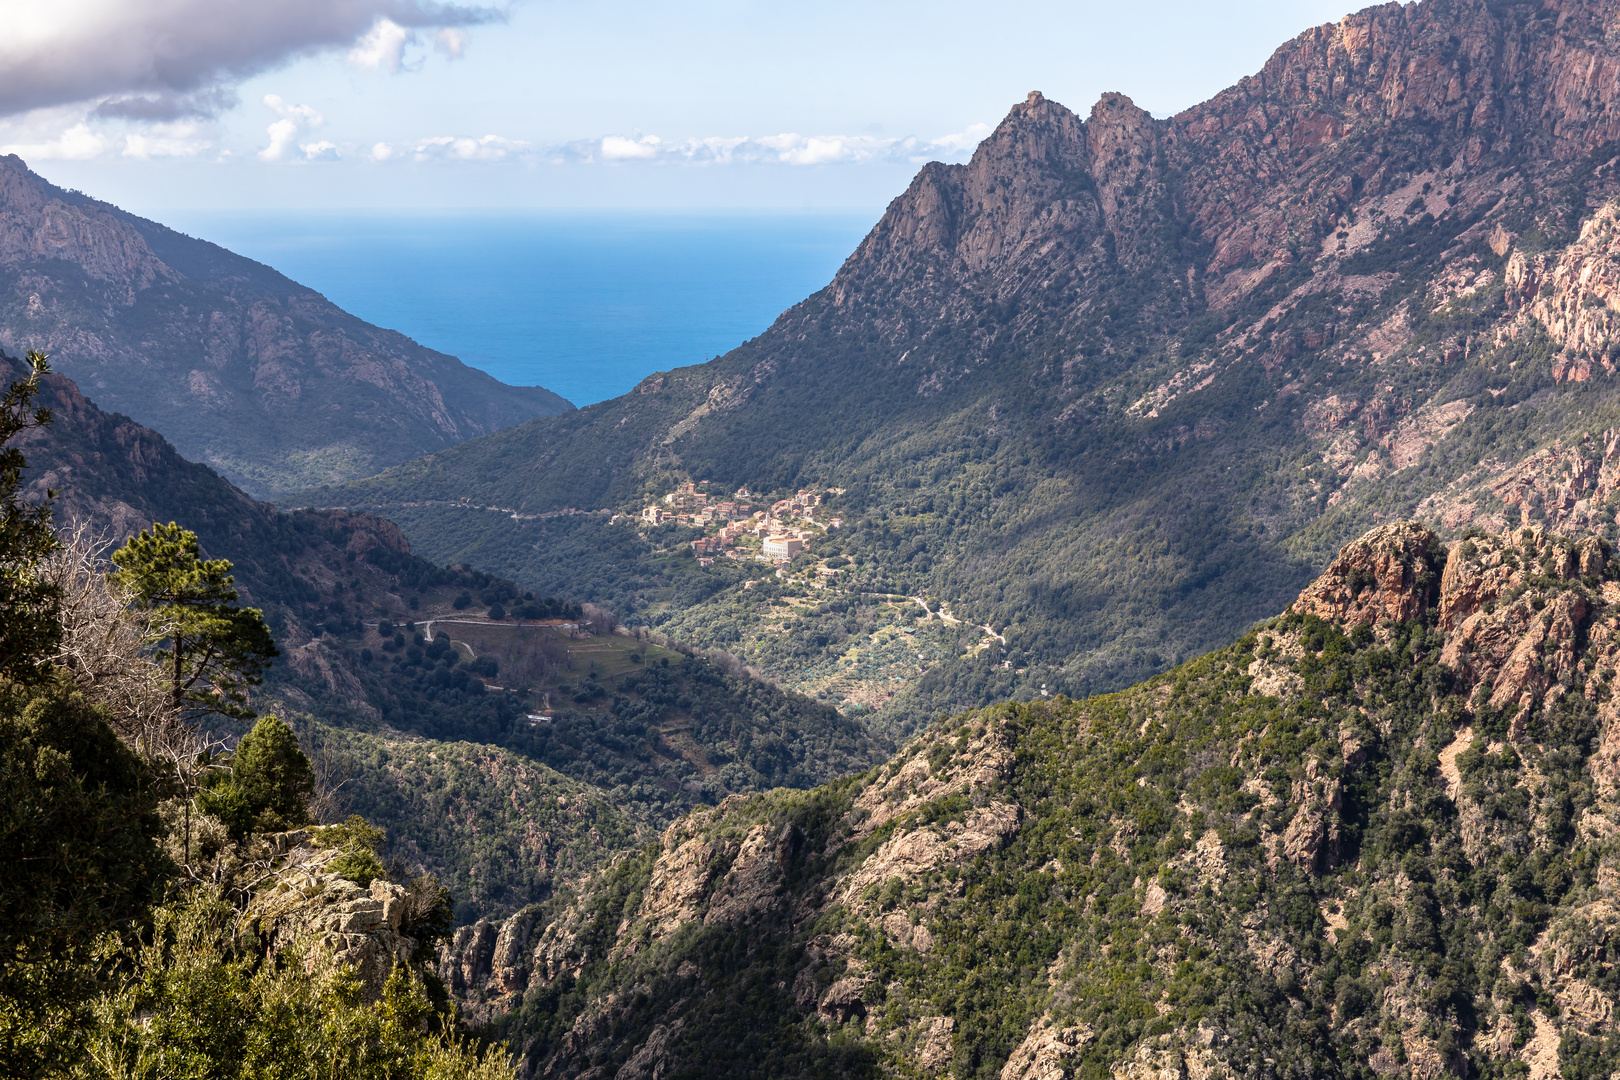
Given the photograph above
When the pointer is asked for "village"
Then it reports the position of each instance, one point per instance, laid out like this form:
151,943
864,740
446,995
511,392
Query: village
774,535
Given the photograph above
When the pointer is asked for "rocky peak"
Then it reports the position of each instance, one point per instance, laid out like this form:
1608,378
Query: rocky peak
1521,616
1040,197
36,222
1391,574
1271,160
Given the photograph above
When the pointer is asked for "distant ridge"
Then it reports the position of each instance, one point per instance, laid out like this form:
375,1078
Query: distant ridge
240,367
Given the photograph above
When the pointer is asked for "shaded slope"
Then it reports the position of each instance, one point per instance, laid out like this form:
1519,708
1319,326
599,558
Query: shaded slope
636,745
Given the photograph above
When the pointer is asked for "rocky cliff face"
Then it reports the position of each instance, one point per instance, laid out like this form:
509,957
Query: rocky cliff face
1371,837
261,378
304,903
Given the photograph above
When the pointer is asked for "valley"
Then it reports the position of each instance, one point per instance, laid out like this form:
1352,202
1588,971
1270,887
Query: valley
639,730
1154,614
1285,853
1119,385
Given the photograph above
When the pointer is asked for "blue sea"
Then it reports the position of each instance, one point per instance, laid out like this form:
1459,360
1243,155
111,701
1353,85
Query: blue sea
584,304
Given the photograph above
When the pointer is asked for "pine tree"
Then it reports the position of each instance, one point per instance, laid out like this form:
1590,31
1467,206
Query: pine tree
211,649
270,783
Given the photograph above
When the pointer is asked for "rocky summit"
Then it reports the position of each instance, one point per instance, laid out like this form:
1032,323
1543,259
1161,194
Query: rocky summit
259,377
1119,386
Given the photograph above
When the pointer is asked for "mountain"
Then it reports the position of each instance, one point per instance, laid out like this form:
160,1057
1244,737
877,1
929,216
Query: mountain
1119,386
417,732
1373,837
263,379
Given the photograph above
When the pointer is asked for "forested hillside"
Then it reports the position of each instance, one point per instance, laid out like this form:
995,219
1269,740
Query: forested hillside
1372,837
172,904
437,745
1119,386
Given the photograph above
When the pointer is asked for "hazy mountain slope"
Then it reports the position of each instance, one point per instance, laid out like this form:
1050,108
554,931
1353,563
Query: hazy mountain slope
260,377
1118,384
1373,837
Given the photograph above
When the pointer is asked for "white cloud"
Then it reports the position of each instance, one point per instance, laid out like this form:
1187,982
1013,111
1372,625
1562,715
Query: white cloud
182,138
619,148
788,148
963,140
299,114
451,41
284,132
77,143
382,47
821,149
319,151
164,59
463,148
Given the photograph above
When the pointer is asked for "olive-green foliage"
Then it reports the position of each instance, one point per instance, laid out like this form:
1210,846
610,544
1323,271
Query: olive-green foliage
211,649
274,774
77,829
28,622
269,784
199,1002
95,981
359,841
500,829
627,734
1148,786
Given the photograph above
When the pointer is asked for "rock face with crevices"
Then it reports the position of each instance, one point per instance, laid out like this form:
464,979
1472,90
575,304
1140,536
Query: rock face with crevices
1389,575
309,906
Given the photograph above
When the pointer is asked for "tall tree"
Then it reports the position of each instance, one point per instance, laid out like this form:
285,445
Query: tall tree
29,628
211,649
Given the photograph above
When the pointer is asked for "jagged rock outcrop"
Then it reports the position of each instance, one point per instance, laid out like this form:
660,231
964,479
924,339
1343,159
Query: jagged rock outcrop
307,905
1046,1053
733,880
1574,294
1517,610
263,379
1153,881
1388,575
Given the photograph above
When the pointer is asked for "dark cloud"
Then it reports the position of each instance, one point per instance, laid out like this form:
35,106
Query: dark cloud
163,59
168,106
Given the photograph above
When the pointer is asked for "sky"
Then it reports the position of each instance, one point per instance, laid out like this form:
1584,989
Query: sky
558,104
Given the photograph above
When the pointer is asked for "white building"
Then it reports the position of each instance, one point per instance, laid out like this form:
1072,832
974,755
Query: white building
782,546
